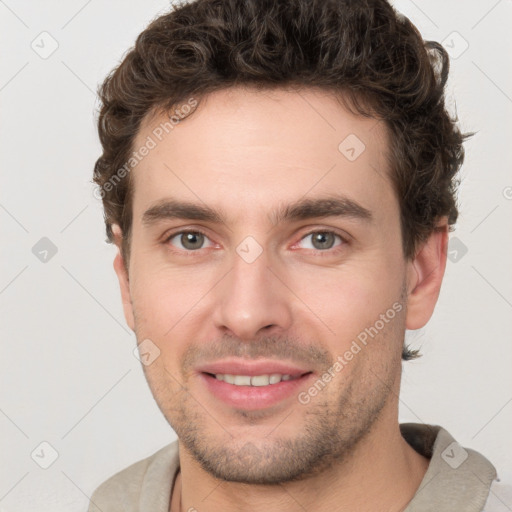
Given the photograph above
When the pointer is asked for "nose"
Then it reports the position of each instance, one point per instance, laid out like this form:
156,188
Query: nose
252,299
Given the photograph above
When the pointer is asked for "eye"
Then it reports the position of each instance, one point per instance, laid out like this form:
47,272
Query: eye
322,240
188,240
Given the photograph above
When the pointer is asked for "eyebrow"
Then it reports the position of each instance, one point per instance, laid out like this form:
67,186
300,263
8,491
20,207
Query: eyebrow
309,208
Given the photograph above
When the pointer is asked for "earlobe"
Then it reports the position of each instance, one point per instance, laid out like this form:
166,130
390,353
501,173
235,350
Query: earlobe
428,267
123,278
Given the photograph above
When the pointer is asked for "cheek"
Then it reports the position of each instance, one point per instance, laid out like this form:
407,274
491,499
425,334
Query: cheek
352,297
161,312
166,301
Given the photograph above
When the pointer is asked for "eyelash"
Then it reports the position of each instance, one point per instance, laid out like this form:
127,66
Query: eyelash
318,252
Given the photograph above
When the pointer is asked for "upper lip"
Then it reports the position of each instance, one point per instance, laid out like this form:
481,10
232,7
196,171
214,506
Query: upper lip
256,367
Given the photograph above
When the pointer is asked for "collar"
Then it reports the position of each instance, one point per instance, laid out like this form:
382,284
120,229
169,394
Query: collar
457,478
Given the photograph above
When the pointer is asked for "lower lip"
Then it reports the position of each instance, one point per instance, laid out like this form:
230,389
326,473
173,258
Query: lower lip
252,398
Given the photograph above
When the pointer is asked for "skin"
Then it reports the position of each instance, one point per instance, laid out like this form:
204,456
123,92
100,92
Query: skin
247,153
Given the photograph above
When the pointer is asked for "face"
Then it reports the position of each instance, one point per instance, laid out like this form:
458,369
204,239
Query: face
259,240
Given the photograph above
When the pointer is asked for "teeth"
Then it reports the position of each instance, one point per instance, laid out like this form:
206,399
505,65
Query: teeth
256,380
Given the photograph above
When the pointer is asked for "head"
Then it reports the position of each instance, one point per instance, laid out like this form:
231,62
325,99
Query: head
280,179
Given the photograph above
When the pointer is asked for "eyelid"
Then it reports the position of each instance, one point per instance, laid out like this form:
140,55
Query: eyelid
170,233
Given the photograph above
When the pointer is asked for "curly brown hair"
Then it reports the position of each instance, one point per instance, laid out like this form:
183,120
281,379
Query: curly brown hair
362,50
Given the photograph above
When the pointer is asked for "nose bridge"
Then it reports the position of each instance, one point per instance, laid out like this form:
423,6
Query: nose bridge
251,297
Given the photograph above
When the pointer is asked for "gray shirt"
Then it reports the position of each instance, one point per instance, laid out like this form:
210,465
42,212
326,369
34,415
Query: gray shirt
457,478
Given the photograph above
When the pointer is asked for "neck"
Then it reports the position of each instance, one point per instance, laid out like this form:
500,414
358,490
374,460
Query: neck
383,473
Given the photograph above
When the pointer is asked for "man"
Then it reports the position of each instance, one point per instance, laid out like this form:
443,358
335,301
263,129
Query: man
280,179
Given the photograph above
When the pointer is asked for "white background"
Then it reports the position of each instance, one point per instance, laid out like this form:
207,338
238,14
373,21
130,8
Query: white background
68,374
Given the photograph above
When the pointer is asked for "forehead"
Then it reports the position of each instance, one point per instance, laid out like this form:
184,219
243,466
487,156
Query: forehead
246,152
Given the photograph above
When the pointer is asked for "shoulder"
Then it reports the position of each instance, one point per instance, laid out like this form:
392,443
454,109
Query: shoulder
124,490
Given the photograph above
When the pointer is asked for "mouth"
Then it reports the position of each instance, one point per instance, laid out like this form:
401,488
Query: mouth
254,392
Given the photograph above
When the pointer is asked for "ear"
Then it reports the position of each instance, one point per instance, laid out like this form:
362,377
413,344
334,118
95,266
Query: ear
425,275
122,276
